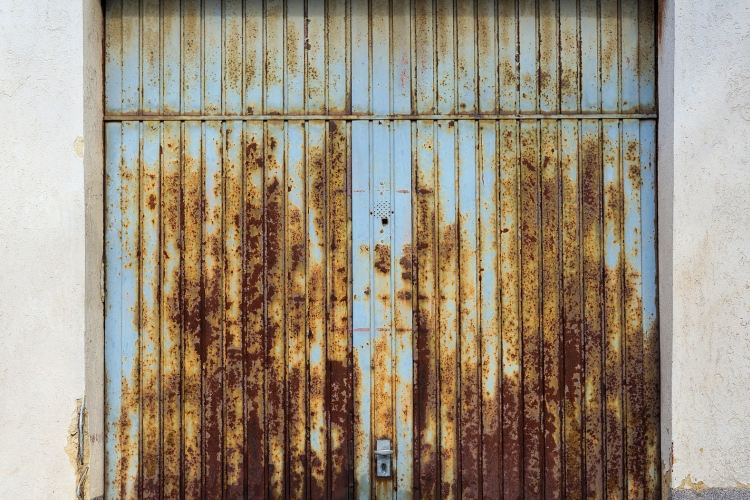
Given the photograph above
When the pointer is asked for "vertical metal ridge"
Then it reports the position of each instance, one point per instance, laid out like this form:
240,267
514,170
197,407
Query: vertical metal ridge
488,241
613,278
170,303
509,280
633,306
316,292
469,393
361,290
425,189
149,305
550,304
650,302
232,343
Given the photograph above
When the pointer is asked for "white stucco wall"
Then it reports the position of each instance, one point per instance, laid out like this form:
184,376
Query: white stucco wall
708,314
42,243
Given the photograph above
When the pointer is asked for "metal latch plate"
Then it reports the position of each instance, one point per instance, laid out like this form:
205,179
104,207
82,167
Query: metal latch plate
383,454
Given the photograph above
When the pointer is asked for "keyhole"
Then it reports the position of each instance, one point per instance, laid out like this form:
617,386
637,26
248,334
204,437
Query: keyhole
382,468
384,221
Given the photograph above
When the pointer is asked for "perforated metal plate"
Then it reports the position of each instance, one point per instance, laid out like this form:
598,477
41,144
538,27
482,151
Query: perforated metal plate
381,208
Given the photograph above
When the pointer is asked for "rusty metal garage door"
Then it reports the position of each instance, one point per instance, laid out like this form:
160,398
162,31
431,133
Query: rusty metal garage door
365,248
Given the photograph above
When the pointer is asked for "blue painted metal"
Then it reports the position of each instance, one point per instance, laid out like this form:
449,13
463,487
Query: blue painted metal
362,320
447,305
329,223
402,276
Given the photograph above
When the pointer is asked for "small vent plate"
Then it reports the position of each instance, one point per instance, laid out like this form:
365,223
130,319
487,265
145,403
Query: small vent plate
381,209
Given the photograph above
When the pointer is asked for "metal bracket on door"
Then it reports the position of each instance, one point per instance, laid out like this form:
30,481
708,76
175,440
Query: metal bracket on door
383,454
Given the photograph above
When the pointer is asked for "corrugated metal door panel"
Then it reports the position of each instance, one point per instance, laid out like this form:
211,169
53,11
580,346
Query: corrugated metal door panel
243,135
382,298
219,327
364,58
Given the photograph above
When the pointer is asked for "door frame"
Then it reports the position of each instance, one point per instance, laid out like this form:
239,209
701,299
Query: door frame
92,471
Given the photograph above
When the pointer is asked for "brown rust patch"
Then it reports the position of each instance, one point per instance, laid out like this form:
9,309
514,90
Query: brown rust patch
382,258
152,201
405,262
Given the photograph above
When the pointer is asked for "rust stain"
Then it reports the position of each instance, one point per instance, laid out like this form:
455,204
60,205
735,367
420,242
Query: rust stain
382,258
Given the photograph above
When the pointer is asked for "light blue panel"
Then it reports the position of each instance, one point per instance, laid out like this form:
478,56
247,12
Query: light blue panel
610,54
446,55
549,60
233,44
589,33
488,255
381,60
612,181
171,35
650,297
507,55
424,47
192,49
212,189
254,62
129,333
647,55
150,257
315,57
509,265
402,240
337,55
295,175
528,56
151,56
294,80
275,54
381,298
113,56
212,56
469,394
131,57
631,197
488,52
447,286
316,259
361,321
150,279
112,300
446,173
467,52
631,191
648,227
467,209
315,141
360,54
401,67
629,48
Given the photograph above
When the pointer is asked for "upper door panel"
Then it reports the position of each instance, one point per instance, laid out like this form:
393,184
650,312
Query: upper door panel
375,57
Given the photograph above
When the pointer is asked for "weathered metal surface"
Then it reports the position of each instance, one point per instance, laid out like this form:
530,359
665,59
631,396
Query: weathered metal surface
431,222
359,58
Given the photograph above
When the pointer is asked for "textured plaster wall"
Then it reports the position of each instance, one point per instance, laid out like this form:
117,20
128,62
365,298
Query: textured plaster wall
43,247
50,242
707,400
